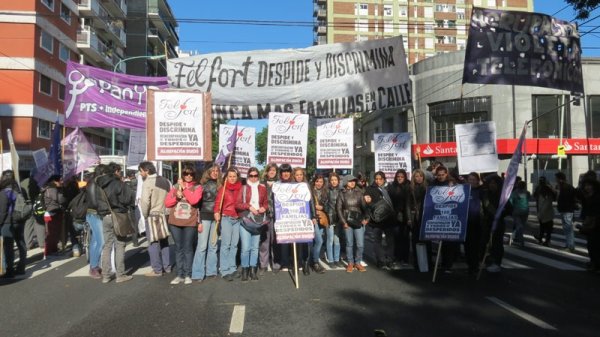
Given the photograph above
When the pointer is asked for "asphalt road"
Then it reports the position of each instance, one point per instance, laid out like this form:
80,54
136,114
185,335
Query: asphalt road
541,292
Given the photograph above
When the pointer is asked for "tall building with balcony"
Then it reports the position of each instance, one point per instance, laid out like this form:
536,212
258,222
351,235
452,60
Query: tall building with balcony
429,27
151,31
37,38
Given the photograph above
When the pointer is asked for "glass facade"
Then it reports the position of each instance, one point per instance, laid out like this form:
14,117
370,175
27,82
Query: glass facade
446,114
549,114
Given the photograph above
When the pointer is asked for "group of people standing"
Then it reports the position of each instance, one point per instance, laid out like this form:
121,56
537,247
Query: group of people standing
207,218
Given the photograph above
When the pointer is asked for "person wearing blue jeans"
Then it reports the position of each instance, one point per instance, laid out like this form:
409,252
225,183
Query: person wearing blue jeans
566,205
355,237
316,249
205,258
225,211
96,243
333,246
249,254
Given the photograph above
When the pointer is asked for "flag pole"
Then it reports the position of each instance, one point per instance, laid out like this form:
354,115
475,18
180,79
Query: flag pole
218,222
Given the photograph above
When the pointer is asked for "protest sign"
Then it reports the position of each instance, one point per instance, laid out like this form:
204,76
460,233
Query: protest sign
287,139
322,81
476,147
523,48
137,147
100,98
335,143
445,213
78,154
392,152
292,212
245,146
178,125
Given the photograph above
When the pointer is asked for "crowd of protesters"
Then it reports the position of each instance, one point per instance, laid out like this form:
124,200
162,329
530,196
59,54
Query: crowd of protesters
206,217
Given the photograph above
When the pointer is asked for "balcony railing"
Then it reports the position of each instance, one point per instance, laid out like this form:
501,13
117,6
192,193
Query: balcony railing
86,37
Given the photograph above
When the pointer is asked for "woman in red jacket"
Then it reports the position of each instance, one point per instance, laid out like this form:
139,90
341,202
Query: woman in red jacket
183,221
227,215
252,204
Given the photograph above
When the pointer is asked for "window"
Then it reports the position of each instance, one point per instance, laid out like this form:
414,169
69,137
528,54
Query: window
49,4
47,41
428,43
439,23
428,12
429,28
477,3
445,115
388,26
65,13
387,10
547,116
594,122
61,92
63,52
491,3
361,25
361,9
460,13
403,27
45,85
360,38
44,129
403,11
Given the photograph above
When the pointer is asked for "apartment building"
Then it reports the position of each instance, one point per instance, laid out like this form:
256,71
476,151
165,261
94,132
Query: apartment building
429,27
38,37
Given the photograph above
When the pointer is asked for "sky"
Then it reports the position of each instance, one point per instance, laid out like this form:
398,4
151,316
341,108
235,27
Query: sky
206,26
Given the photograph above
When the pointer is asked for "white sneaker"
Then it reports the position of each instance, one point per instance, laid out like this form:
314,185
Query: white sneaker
188,280
493,268
177,280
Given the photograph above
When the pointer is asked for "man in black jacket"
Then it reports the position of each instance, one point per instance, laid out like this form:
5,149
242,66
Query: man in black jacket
565,203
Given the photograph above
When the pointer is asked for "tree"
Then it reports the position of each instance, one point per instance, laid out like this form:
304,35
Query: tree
583,7
311,153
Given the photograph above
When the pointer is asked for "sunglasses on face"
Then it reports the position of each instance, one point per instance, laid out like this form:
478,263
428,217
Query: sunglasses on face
187,174
253,176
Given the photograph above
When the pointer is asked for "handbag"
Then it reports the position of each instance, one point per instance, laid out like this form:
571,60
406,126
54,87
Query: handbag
252,223
589,225
354,219
322,218
157,225
122,222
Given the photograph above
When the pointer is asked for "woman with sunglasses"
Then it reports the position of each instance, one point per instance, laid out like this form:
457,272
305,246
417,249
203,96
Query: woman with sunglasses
253,200
183,221
205,258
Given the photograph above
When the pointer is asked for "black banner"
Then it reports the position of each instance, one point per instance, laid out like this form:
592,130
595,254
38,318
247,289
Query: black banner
523,48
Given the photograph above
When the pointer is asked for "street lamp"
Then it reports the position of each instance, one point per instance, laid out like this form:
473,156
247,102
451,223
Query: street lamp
147,57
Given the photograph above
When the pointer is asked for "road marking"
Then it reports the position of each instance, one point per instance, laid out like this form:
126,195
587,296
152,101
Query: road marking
510,264
543,260
536,321
563,253
237,319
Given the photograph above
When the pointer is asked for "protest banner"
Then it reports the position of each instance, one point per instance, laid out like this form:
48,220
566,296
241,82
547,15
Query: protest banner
14,156
6,161
245,146
292,212
476,147
393,152
323,81
100,98
445,211
335,143
178,125
287,139
78,154
523,48
137,148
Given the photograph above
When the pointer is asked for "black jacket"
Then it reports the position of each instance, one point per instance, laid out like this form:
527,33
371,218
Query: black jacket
207,206
350,200
120,196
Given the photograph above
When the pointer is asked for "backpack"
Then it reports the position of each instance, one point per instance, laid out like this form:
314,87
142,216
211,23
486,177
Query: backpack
22,209
78,207
39,206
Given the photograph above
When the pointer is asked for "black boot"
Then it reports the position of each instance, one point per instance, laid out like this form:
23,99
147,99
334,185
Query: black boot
305,268
318,269
245,274
254,273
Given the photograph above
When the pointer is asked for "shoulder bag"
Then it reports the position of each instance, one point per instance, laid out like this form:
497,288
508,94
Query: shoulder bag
322,217
183,214
122,223
252,223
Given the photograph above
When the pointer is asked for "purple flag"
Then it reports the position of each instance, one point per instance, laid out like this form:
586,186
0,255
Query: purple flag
53,166
100,98
78,154
225,156
511,177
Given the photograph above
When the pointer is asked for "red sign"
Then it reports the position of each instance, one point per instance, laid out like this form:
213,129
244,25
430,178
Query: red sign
573,146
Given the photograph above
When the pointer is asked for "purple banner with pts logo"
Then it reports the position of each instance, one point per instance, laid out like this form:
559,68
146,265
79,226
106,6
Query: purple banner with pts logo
100,98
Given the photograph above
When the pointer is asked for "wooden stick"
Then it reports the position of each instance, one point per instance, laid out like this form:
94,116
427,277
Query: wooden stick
1,255
296,279
437,260
485,255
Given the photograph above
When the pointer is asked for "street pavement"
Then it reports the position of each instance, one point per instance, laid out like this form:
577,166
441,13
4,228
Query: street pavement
542,291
